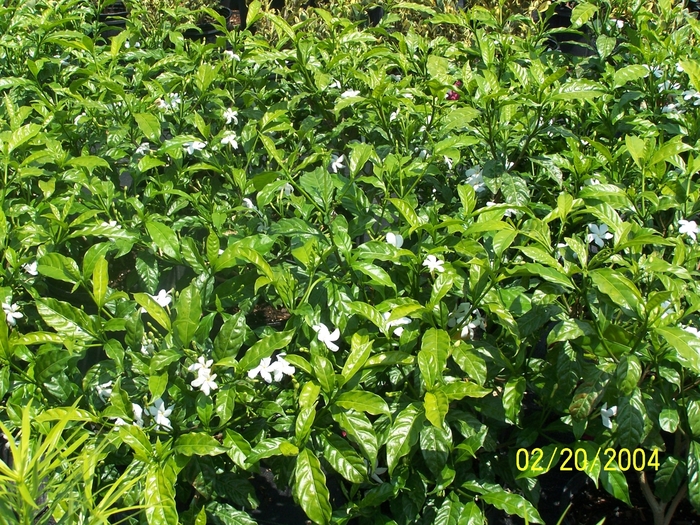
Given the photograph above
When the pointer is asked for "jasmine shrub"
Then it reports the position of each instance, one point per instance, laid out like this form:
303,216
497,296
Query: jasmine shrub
351,253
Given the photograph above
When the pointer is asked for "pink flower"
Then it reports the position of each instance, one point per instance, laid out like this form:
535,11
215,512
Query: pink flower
452,95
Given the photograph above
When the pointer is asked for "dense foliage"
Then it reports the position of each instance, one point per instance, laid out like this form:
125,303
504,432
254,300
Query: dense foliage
359,257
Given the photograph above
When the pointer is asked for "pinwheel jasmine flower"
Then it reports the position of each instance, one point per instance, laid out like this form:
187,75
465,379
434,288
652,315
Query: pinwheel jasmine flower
143,149
327,337
205,381
599,234
287,189
433,264
164,298
248,203
337,162
31,268
175,100
264,370
231,115
104,391
110,224
448,161
689,228
231,55
138,417
334,85
398,323
201,364
230,139
606,414
394,115
475,179
193,146
281,368
349,93
395,239
160,413
12,313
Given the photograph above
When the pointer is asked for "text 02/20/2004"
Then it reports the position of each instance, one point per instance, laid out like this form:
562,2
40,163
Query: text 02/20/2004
538,461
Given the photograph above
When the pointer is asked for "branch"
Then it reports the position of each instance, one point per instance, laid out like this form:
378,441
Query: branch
674,503
657,507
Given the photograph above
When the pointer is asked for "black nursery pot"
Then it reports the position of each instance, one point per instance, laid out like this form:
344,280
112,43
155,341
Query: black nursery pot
208,31
114,17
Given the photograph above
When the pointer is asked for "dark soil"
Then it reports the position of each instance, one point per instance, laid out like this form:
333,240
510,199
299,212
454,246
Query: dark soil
267,315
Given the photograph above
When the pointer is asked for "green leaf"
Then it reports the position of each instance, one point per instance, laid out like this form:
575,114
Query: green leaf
471,362
159,496
630,420
22,135
59,267
450,511
360,430
692,411
586,395
628,373
376,274
198,444
621,290
407,212
513,399
432,357
164,238
605,46
67,320
363,402
368,312
615,483
319,185
228,259
515,190
629,74
137,441
460,389
582,13
404,434
153,309
669,420
310,489
360,349
436,406
225,403
227,515
230,337
578,89
264,348
238,448
513,504
668,478
694,474
149,126
100,281
189,311
343,458
636,148
684,345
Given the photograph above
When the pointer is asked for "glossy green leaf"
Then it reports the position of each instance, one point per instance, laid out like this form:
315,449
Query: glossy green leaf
621,290
310,489
153,309
198,444
363,402
668,478
629,74
684,345
264,348
159,496
615,483
100,281
164,238
149,126
360,349
360,430
67,320
436,405
513,393
435,347
404,434
343,458
694,474
189,312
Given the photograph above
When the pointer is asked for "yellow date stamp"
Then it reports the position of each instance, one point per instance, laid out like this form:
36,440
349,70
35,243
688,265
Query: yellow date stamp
568,459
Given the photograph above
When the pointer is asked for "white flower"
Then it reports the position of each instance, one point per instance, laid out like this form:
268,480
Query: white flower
231,115
201,364
689,228
475,179
77,119
287,189
606,414
162,104
164,298
349,93
248,204
31,268
693,95
175,100
138,414
143,149
670,109
230,139
448,161
433,263
263,369
193,146
657,71
691,330
160,413
619,23
599,234
337,162
12,313
394,115
327,337
667,85
476,322
395,239
396,323
334,85
231,55
281,367
205,381
104,391
110,224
